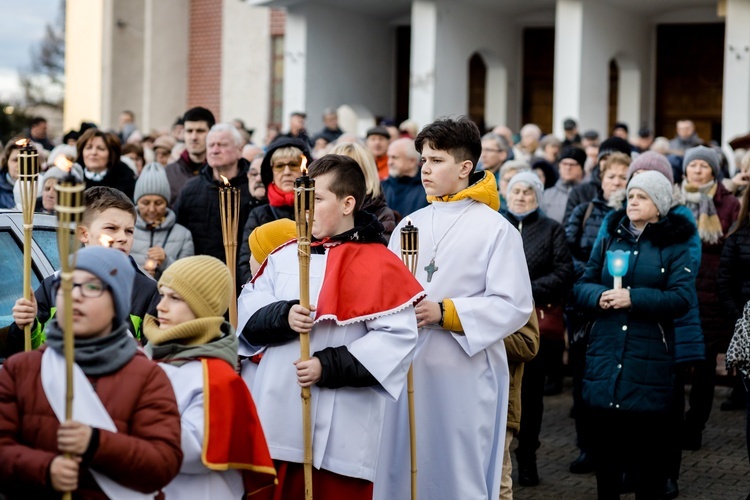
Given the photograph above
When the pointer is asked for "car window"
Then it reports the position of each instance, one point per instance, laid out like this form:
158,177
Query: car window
11,276
46,238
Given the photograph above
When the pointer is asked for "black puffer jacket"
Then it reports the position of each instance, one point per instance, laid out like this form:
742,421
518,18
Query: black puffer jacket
547,256
376,205
733,280
584,193
120,176
581,234
198,209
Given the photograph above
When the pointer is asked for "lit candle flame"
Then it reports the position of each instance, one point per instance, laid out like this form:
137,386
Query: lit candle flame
106,240
408,220
23,142
150,265
226,181
303,164
63,163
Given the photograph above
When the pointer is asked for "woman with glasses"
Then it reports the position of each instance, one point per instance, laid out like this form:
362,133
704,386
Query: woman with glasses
280,168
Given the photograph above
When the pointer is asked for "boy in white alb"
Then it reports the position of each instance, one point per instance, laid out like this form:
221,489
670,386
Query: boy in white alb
361,338
472,266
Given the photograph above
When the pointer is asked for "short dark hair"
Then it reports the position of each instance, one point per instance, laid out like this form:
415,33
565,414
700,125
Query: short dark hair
97,199
621,125
460,138
348,178
110,140
37,120
199,114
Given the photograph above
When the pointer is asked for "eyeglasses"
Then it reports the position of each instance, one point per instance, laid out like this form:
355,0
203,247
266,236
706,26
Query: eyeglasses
293,166
89,289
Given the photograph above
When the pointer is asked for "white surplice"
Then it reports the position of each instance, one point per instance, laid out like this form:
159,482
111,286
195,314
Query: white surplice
347,422
461,380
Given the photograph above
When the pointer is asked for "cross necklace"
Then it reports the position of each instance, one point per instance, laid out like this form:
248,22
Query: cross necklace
431,268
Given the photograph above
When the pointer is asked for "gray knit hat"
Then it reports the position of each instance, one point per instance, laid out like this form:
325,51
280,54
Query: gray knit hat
703,153
657,187
153,180
651,160
531,180
115,270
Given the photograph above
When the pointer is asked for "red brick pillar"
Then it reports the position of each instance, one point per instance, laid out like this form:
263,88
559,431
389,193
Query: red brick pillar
204,55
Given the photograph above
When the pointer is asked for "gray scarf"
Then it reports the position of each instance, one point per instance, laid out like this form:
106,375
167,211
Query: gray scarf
99,356
174,353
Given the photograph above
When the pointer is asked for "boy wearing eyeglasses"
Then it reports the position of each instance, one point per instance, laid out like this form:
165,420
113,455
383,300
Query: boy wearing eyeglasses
108,220
124,438
280,168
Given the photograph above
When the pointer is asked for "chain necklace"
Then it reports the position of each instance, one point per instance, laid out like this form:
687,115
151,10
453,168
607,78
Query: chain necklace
431,268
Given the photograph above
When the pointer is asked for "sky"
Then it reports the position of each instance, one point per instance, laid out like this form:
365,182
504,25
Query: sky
21,27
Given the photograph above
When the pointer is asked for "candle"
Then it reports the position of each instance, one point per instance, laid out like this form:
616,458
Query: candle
617,265
28,162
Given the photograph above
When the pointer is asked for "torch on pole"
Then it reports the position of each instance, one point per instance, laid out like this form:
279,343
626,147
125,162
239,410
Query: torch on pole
28,160
410,257
69,209
304,209
229,208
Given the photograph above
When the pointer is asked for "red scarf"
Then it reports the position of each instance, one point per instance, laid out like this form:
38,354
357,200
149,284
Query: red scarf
279,198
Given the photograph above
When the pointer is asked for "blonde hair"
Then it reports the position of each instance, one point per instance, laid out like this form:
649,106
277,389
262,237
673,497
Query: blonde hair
287,152
366,162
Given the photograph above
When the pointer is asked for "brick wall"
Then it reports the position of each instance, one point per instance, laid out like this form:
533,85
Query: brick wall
278,19
204,55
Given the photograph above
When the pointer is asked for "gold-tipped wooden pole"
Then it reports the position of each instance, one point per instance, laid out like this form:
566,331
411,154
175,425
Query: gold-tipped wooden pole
28,160
69,209
304,207
229,207
410,256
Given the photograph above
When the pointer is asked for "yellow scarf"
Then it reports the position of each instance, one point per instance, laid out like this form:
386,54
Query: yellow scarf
484,190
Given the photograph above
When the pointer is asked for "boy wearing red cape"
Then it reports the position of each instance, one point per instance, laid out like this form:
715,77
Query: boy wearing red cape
362,336
225,452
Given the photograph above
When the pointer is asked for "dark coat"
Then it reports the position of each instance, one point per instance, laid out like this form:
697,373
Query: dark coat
404,195
178,173
583,193
376,205
198,209
120,176
717,328
260,215
144,454
630,355
6,191
733,280
547,256
581,234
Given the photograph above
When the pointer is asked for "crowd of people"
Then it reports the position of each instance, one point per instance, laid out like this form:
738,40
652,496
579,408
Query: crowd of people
522,244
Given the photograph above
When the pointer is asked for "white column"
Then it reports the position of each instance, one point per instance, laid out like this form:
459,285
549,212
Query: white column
568,64
165,62
83,62
423,45
295,63
246,65
736,99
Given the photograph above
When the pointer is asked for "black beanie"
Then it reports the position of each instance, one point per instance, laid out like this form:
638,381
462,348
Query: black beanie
614,145
576,154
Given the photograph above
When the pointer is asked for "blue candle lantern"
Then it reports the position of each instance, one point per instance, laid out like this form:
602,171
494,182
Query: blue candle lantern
617,264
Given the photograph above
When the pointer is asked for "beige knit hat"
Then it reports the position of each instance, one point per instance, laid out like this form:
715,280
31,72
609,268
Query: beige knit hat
203,282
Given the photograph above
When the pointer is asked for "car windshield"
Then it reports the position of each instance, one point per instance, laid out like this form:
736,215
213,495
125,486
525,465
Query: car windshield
46,238
11,276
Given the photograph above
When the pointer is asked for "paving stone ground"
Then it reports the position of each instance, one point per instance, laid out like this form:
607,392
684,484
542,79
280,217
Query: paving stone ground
718,471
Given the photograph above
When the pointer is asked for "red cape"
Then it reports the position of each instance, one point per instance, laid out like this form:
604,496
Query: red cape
233,437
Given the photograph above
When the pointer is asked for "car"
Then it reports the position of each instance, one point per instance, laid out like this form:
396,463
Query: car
44,257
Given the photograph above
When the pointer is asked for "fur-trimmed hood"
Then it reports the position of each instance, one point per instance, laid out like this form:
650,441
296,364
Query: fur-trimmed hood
674,228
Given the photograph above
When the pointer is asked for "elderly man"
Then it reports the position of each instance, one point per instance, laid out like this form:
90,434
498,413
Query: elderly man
198,207
494,153
378,139
196,124
571,174
403,188
526,147
686,138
